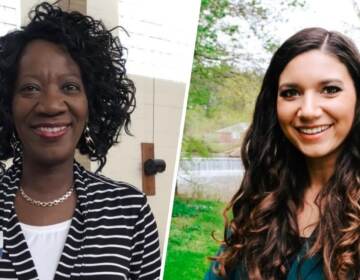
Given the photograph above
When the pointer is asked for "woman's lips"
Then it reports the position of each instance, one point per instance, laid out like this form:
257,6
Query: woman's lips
51,132
314,132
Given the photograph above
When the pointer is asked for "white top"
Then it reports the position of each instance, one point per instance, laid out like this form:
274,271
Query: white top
46,244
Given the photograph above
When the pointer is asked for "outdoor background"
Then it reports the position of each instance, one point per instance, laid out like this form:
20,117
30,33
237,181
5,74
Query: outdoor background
235,41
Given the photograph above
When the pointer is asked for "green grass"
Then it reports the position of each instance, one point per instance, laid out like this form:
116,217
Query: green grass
190,241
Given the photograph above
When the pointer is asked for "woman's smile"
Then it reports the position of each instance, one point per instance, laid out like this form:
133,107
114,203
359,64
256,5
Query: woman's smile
51,131
313,134
314,130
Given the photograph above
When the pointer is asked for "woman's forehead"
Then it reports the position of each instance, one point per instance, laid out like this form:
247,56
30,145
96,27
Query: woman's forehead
314,64
41,56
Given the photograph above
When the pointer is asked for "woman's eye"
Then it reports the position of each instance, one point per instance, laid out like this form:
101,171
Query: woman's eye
29,88
331,89
288,93
71,87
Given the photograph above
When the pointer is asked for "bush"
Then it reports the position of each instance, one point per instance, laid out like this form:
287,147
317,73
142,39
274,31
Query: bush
192,146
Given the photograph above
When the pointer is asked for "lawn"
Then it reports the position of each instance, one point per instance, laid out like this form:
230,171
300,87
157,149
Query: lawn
190,242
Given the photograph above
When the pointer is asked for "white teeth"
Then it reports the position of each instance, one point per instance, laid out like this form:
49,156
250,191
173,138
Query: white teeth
314,130
52,129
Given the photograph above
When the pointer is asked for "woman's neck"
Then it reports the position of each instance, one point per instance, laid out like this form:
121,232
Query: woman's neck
320,170
46,182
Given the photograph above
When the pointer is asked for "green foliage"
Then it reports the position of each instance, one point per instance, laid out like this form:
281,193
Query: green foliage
223,85
204,82
195,146
215,22
231,101
220,93
236,96
207,46
237,21
190,242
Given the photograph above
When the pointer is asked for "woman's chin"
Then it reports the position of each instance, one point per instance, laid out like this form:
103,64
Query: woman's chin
50,157
320,153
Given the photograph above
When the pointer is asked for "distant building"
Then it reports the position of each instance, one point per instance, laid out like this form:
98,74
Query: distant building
231,134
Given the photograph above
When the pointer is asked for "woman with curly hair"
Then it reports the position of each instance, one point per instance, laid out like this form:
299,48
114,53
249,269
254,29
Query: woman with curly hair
296,214
64,87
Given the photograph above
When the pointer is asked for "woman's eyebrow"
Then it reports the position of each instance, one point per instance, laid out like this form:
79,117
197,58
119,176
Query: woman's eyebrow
329,81
288,85
323,82
71,75
37,76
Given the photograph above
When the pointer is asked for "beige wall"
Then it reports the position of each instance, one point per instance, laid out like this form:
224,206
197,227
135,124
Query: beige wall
107,13
156,119
9,15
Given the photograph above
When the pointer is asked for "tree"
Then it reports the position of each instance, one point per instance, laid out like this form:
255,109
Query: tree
221,49
225,75
224,23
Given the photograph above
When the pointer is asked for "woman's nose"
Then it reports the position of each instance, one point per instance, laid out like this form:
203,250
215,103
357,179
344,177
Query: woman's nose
310,107
51,102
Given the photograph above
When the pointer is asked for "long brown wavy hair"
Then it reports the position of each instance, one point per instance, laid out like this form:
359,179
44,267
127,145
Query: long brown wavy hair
263,232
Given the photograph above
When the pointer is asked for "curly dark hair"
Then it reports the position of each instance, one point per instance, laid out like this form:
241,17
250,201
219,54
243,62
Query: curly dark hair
264,230
100,56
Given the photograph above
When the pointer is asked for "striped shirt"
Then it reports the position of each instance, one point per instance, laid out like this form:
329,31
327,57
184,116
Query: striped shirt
113,234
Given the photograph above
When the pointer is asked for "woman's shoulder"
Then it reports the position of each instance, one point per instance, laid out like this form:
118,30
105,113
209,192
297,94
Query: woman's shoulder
307,268
234,274
111,184
100,187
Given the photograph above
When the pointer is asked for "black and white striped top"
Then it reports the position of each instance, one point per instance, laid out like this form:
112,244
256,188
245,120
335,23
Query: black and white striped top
113,233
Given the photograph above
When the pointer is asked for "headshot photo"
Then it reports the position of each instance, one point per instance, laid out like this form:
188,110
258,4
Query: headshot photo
267,186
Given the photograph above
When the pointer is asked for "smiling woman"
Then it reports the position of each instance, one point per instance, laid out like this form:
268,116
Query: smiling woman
296,213
64,87
316,104
49,106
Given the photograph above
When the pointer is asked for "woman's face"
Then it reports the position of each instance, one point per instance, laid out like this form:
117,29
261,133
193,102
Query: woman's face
49,103
316,103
